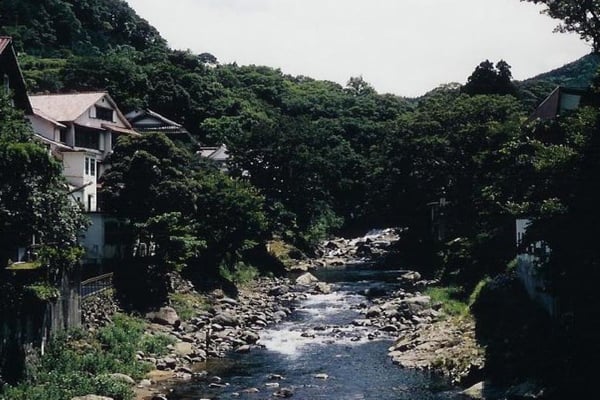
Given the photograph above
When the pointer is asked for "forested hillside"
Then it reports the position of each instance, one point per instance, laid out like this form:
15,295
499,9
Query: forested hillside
578,74
309,158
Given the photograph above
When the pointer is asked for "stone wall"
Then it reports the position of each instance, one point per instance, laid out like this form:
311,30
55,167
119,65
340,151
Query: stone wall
32,322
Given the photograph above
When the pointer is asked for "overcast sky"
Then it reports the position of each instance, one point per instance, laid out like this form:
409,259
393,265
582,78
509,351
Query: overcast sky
405,47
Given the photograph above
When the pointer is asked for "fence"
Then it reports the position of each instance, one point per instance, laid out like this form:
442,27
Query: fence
96,285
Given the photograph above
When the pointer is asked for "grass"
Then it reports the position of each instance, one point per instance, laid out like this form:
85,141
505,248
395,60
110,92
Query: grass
240,274
451,299
24,266
81,363
186,304
284,252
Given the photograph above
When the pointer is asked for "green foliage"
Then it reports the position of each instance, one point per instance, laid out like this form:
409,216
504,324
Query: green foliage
81,364
490,79
451,299
186,304
33,199
239,274
577,16
43,291
84,27
157,344
474,296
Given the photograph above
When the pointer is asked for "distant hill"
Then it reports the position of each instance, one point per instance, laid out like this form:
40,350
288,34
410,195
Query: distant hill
578,73
59,28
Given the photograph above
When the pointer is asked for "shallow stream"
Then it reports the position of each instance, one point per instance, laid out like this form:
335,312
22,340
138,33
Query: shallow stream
320,354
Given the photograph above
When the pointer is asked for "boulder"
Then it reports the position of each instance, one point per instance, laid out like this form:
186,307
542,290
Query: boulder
416,304
184,349
302,267
373,312
409,277
284,392
278,290
322,287
123,378
306,279
250,337
226,318
164,316
243,349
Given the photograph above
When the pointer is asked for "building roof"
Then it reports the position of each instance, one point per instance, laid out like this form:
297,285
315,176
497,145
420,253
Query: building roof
65,107
561,99
69,107
5,41
10,66
161,120
118,129
214,153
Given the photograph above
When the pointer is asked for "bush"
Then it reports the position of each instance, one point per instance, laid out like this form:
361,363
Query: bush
81,364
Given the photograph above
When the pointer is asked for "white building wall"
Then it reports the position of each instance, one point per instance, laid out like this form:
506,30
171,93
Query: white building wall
44,128
93,239
528,270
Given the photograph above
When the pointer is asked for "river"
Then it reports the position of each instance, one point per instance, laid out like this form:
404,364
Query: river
319,354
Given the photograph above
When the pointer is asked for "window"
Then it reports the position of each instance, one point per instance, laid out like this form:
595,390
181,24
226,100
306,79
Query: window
105,114
90,166
87,138
63,135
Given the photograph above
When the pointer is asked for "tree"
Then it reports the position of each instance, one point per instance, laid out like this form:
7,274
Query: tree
490,79
579,16
34,199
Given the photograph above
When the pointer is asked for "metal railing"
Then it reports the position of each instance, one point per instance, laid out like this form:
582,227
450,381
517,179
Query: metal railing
96,285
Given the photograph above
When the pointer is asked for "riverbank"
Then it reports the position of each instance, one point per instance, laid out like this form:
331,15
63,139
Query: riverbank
212,324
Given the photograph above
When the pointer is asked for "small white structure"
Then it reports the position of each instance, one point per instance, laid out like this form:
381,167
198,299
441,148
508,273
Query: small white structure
216,154
529,260
80,130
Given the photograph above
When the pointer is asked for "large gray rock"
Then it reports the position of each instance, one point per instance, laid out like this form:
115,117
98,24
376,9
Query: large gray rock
416,304
306,279
322,287
123,378
164,316
226,318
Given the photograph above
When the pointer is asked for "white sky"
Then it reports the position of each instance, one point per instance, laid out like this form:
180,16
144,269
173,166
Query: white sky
405,47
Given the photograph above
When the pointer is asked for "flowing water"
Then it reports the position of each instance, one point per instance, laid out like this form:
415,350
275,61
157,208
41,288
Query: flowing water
320,354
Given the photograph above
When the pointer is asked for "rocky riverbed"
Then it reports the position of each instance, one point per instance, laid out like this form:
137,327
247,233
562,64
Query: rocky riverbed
425,338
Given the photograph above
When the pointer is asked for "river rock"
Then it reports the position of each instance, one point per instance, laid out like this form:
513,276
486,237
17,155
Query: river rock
410,277
278,290
373,312
302,267
306,279
284,393
416,304
250,337
183,348
243,349
92,397
122,378
164,316
322,287
226,318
